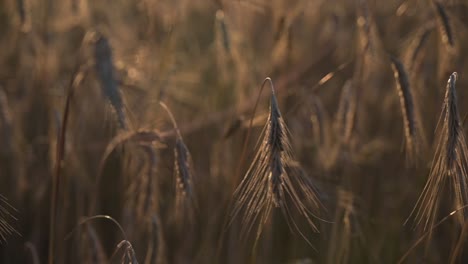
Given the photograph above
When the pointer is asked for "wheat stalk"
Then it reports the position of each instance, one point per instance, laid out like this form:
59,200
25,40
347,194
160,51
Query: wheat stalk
341,236
33,251
141,192
346,113
317,118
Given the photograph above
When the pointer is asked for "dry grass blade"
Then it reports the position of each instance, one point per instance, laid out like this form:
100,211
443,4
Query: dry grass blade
428,233
413,141
128,256
6,123
129,252
142,137
317,118
272,181
148,201
105,217
344,120
106,73
6,217
340,242
98,254
33,251
457,251
450,164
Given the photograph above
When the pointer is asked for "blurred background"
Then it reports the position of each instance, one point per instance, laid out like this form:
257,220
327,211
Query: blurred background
82,132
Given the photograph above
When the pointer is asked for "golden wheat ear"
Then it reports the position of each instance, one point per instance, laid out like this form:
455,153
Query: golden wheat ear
449,166
444,23
274,181
183,171
106,73
414,141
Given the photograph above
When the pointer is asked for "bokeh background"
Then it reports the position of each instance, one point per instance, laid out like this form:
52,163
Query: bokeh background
330,64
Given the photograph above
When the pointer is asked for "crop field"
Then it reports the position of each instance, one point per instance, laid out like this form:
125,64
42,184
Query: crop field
233,131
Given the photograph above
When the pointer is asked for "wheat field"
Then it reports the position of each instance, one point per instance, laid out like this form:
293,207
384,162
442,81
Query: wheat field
233,131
